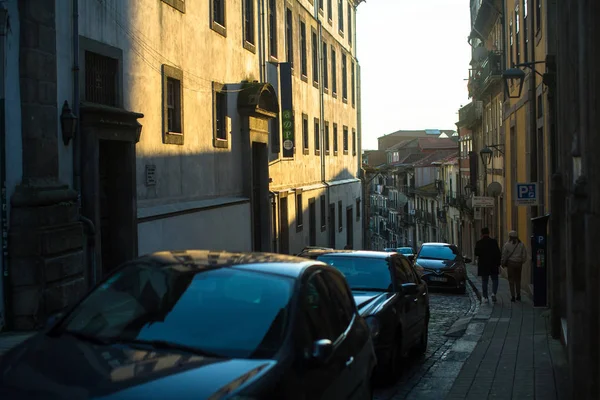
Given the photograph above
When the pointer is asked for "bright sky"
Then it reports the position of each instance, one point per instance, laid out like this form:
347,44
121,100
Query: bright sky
414,57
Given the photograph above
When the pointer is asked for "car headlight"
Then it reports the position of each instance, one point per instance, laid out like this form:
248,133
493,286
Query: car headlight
419,269
374,326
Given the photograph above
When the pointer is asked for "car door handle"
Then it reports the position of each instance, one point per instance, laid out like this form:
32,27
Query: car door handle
350,361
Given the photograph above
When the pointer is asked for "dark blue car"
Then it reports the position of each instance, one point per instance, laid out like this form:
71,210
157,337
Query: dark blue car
202,325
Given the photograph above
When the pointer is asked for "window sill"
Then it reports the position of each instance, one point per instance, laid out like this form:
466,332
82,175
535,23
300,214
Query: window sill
220,29
273,59
179,5
345,152
220,143
299,228
345,100
341,33
173,138
326,152
304,78
316,84
250,47
335,153
317,152
326,90
305,152
334,94
323,228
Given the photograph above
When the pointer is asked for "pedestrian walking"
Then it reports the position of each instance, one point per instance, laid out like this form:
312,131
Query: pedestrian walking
514,255
488,256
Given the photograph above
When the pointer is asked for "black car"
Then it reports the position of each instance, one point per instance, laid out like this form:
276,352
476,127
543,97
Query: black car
392,298
442,266
202,325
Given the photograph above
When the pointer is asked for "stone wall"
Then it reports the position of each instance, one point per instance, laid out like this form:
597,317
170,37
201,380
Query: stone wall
45,235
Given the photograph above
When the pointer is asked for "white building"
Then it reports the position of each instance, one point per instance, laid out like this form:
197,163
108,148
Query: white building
183,140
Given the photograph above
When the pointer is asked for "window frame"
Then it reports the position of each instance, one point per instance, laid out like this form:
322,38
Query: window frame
326,137
289,38
299,210
249,45
172,137
314,49
179,5
333,72
345,143
305,134
323,203
344,77
336,141
219,90
220,28
317,135
354,142
303,51
340,216
272,26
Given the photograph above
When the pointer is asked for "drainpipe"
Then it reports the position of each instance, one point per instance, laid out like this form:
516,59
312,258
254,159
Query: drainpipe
261,41
3,201
90,229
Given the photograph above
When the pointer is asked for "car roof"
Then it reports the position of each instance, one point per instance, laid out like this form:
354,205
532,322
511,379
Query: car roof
437,244
281,264
358,253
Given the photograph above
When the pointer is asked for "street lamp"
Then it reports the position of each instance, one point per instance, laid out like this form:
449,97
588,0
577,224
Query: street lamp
68,122
486,155
517,76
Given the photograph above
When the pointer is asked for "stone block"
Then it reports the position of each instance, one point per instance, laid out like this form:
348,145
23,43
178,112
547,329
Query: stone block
64,266
26,271
26,300
56,214
60,240
47,95
23,243
37,64
47,38
63,294
40,121
31,34
29,90
39,11
41,158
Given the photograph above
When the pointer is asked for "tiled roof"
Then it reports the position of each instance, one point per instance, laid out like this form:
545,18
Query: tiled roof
401,145
420,132
436,143
432,157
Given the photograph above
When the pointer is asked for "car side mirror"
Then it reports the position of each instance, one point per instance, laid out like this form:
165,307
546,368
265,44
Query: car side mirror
467,260
53,318
410,288
321,351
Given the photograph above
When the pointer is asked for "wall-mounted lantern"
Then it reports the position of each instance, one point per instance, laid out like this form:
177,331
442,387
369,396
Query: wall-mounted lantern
68,123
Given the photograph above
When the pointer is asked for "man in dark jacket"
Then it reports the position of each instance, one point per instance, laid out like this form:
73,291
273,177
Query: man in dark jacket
489,257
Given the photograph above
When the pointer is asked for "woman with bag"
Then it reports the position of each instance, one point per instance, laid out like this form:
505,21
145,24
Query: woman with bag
514,256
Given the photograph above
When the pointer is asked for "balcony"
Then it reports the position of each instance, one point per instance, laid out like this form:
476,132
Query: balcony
470,114
484,14
485,74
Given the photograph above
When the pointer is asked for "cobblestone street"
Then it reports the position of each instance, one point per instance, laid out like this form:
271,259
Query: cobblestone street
432,376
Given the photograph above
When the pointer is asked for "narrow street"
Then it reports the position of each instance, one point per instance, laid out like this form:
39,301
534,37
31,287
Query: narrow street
432,376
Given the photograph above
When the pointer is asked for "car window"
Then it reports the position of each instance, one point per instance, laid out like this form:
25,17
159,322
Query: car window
321,320
402,275
447,253
362,272
405,250
341,298
409,271
205,309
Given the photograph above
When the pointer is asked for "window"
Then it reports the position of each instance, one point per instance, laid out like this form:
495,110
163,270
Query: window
353,142
517,34
289,36
344,78
340,222
525,30
299,211
341,298
317,137
102,79
217,12
323,214
349,23
179,5
345,139
315,57
273,28
220,132
329,10
333,72
447,253
341,16
321,6
538,16
319,314
326,134
335,139
325,69
305,133
357,208
172,105
361,272
353,83
249,19
512,43
402,271
303,60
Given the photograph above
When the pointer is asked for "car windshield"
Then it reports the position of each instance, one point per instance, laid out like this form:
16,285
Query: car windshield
362,272
405,250
226,312
446,253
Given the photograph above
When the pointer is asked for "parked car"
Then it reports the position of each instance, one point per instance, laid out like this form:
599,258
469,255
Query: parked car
407,252
442,266
313,251
202,324
392,298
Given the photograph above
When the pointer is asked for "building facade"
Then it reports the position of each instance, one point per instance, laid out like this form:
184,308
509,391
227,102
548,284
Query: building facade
241,134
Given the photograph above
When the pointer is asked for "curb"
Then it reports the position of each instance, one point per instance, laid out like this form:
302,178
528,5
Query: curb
472,279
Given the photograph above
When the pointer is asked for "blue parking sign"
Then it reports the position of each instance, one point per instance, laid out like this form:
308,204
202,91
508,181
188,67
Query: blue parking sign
526,194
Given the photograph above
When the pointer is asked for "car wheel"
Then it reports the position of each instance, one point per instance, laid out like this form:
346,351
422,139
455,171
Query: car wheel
463,289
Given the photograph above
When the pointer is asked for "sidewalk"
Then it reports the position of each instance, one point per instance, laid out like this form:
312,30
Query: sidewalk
515,357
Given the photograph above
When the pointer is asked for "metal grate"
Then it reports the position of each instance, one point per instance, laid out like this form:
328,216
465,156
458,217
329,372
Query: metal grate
101,79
